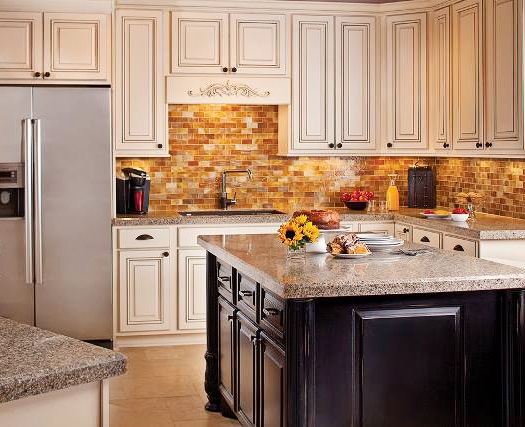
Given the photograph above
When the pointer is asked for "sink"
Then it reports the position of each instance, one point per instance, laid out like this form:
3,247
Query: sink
232,212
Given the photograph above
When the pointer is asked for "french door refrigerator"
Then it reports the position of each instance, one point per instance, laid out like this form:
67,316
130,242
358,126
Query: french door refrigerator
55,262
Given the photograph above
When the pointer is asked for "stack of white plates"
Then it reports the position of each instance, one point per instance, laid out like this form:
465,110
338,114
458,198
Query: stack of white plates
379,242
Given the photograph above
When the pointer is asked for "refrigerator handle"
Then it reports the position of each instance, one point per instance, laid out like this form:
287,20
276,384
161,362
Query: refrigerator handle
37,201
27,143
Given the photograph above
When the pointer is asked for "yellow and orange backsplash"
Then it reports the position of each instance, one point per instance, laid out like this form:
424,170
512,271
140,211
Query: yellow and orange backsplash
207,139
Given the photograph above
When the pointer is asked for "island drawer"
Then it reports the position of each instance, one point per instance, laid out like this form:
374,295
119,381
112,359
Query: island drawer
225,279
140,238
426,237
246,294
272,313
452,243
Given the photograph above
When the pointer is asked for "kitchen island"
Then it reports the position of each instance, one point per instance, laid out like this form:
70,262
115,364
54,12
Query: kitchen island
390,340
49,380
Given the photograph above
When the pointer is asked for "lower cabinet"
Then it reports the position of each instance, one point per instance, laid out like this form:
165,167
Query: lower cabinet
271,383
247,370
144,289
192,289
226,351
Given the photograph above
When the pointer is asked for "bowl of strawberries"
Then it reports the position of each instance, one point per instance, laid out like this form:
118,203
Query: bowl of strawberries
357,200
459,215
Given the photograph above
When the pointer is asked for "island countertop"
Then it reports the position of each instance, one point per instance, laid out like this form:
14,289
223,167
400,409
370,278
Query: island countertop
263,258
34,361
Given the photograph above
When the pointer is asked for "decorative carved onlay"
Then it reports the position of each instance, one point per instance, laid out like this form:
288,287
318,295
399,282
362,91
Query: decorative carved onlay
228,89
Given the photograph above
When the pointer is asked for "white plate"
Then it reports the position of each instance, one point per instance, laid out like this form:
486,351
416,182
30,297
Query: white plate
384,248
392,242
373,235
349,256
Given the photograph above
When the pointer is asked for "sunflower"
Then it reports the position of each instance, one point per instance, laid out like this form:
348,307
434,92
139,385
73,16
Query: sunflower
290,233
301,219
311,231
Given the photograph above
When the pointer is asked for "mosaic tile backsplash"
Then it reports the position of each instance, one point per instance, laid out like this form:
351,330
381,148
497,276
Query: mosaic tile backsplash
207,139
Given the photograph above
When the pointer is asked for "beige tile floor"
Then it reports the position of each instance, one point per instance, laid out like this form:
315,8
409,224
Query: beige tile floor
163,387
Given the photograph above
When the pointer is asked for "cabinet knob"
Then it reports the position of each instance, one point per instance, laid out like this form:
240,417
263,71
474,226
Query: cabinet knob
165,254
389,145
479,145
246,293
47,74
224,69
339,145
331,145
446,145
488,144
230,318
270,311
37,74
159,145
406,230
234,69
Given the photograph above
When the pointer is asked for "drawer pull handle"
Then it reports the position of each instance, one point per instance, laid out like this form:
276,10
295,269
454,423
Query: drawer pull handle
425,239
144,237
246,293
224,278
230,318
459,248
271,311
254,340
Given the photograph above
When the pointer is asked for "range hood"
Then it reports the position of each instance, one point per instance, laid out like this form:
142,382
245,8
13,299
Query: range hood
228,90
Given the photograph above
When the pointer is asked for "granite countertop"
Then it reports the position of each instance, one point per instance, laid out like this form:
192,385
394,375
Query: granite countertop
34,361
486,227
263,258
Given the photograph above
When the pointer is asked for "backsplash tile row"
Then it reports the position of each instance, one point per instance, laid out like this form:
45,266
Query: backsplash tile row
207,139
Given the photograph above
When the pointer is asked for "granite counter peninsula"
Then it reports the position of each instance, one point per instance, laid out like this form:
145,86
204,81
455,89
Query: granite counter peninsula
434,340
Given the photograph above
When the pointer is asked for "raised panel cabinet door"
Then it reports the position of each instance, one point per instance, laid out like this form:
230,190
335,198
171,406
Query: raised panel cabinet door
246,370
76,46
226,350
313,83
355,46
440,81
199,43
467,76
406,81
504,75
20,45
192,289
144,290
140,115
258,44
272,383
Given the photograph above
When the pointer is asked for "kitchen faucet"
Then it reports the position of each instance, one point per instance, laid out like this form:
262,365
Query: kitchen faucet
225,202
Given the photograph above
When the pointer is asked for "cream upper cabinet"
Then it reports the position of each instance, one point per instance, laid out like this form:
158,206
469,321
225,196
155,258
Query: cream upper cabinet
55,47
504,77
144,290
406,82
467,75
313,83
199,42
440,81
215,43
20,45
140,115
355,89
76,46
192,289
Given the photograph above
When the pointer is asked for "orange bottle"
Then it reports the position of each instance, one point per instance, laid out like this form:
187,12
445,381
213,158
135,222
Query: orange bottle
392,194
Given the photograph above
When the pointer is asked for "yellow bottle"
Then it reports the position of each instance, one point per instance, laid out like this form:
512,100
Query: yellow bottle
392,194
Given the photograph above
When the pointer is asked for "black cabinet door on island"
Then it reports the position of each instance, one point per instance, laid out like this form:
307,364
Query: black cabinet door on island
433,360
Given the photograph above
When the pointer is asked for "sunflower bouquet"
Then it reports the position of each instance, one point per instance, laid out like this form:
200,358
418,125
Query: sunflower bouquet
297,232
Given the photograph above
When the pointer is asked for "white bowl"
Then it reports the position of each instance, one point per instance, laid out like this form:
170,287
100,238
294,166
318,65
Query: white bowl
459,217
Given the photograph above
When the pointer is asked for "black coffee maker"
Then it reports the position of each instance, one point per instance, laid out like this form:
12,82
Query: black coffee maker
133,191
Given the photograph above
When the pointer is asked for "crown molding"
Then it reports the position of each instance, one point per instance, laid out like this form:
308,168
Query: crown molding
92,6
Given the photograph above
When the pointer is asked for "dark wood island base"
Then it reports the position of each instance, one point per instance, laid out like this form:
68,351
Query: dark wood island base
433,360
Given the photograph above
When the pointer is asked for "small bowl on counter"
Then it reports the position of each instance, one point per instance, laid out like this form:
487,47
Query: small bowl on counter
356,206
457,217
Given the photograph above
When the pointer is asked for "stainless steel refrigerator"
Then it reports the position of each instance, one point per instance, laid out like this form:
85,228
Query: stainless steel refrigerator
55,262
